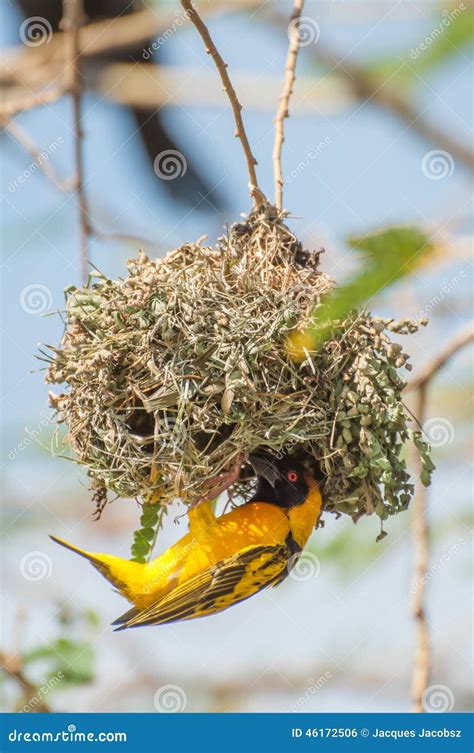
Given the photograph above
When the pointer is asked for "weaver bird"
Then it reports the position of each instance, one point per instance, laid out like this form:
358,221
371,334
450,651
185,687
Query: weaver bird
222,560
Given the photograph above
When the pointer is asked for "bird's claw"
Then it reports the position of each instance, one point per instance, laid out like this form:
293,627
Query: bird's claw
223,480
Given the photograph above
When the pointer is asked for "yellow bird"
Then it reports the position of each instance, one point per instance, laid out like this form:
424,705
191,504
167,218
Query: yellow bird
222,560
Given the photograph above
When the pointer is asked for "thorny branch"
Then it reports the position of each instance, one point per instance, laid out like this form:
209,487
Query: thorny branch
39,65
211,49
420,527
71,23
284,104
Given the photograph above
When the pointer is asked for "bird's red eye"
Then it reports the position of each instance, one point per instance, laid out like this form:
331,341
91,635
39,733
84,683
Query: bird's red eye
292,476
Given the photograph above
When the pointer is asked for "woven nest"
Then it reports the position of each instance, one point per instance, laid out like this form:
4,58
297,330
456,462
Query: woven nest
179,371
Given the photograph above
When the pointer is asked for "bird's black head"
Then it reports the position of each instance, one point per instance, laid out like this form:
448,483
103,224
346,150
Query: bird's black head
281,481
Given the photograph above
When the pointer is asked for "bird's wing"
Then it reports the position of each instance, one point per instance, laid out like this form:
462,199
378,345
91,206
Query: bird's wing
230,581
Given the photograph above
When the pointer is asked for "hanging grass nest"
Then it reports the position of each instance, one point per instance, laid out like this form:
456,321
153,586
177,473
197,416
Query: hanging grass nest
177,372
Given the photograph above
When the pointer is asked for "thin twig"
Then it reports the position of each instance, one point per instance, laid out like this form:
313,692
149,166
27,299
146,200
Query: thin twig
369,88
211,49
16,100
466,337
284,104
73,15
137,28
126,237
24,140
420,527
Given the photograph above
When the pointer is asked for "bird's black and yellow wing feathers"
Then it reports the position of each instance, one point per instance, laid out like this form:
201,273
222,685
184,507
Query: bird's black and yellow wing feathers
216,588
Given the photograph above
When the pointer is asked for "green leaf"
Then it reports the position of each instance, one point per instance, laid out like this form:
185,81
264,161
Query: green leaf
425,478
73,661
91,617
140,547
149,516
448,34
144,538
387,256
148,534
451,32
424,449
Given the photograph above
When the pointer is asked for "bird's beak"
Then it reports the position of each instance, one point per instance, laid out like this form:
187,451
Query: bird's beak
264,467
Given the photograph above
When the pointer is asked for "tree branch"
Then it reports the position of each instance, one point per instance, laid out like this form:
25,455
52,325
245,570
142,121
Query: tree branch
126,237
370,88
45,62
284,104
420,527
422,659
466,337
255,192
137,86
18,101
98,38
73,15
13,667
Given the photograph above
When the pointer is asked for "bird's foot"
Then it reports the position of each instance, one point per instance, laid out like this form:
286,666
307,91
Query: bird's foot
220,483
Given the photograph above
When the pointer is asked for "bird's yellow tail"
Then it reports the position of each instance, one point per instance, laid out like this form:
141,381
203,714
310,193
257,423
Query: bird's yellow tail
127,577
82,552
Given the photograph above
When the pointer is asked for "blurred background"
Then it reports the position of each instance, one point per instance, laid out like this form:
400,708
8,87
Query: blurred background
379,133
